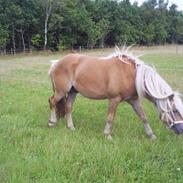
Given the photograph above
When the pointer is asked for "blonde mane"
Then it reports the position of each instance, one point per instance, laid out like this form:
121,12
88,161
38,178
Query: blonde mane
126,52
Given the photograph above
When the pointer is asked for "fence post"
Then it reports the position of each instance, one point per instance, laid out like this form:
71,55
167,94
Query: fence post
176,49
30,50
79,48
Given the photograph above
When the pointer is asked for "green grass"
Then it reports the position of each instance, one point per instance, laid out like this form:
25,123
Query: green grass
31,152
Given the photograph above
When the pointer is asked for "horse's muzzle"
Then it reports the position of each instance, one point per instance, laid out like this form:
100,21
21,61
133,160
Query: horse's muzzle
178,128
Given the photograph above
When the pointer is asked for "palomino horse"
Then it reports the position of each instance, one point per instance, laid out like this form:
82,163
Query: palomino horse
118,77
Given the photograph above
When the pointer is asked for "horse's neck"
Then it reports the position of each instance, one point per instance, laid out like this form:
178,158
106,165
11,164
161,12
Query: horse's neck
153,100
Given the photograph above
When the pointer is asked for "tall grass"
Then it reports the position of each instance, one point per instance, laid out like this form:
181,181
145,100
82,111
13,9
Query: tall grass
31,152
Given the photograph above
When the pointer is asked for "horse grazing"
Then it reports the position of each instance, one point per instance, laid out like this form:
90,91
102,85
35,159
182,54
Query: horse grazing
117,77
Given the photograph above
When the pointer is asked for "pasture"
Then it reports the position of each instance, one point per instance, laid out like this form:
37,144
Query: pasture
31,152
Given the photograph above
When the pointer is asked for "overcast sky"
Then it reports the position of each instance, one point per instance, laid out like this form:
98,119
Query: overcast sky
179,3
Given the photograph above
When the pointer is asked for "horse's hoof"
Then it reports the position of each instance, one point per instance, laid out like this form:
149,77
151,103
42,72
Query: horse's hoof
51,124
153,137
108,137
71,128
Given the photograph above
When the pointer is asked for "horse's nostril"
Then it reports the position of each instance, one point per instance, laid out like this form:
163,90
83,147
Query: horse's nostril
178,128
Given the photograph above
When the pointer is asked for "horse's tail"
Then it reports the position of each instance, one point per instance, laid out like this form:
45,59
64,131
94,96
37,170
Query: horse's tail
52,67
60,106
53,64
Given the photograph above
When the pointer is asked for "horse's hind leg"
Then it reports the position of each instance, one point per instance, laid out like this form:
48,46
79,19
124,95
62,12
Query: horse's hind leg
140,112
54,101
113,103
68,108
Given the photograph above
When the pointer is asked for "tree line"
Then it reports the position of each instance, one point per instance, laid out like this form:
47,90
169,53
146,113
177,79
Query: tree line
65,24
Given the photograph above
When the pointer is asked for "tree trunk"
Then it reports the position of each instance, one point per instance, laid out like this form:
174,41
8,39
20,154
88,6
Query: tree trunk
102,42
48,13
46,33
4,50
13,39
29,43
22,37
23,42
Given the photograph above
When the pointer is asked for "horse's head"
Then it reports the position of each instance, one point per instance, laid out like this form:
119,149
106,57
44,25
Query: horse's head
152,86
171,112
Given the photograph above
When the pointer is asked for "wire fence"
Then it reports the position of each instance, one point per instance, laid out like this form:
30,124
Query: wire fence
31,50
175,49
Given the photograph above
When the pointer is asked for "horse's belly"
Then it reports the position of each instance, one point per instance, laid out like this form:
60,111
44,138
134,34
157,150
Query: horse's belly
92,90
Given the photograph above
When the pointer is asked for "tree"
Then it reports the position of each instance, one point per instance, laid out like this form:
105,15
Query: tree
4,32
13,14
173,23
180,29
4,36
48,8
62,24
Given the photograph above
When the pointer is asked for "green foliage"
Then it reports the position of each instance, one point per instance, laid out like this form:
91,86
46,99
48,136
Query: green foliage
4,36
61,47
89,23
36,40
179,29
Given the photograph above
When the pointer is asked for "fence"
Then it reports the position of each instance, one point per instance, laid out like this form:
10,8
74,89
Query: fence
74,48
175,49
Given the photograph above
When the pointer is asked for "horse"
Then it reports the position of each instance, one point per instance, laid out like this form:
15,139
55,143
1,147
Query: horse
119,77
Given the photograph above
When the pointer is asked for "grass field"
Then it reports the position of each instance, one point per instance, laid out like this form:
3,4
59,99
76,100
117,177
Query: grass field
31,152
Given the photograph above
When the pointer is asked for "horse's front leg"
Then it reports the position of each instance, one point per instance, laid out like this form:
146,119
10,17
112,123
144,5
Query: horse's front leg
140,112
113,103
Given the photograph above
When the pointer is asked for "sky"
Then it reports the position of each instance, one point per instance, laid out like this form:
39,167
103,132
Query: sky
179,3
